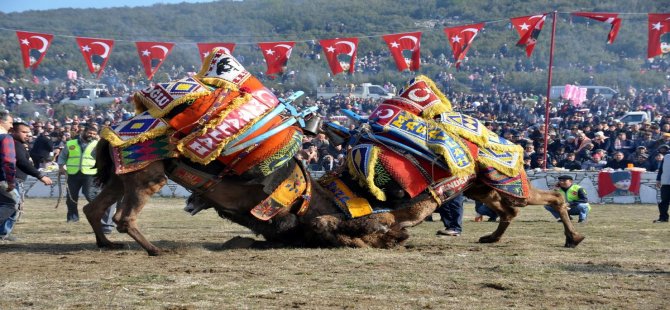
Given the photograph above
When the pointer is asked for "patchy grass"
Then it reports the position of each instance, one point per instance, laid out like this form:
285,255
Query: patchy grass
623,263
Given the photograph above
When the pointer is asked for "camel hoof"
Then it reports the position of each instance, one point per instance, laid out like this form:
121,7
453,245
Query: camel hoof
488,239
155,252
573,242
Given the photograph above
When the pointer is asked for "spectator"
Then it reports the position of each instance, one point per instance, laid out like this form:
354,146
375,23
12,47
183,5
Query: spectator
618,162
9,195
641,161
570,163
451,213
594,164
655,163
663,183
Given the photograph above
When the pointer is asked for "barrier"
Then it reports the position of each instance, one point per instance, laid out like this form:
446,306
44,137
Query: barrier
648,193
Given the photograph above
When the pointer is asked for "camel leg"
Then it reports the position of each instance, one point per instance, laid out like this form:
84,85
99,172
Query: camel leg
494,200
96,209
557,202
139,186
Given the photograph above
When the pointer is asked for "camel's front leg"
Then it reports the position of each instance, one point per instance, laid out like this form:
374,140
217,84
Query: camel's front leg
96,209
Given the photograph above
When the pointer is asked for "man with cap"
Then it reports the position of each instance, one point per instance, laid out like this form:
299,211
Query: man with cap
575,196
77,160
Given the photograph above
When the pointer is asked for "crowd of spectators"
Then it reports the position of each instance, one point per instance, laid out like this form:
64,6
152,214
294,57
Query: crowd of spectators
586,136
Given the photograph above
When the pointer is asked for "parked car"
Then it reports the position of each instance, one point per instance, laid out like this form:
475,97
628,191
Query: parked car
90,96
591,92
364,91
635,117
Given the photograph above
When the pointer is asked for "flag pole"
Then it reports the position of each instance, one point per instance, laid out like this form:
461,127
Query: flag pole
547,103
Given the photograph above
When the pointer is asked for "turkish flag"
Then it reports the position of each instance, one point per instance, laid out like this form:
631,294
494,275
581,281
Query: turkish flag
206,48
33,41
99,48
150,51
529,28
610,18
335,47
659,24
626,180
400,42
276,55
460,39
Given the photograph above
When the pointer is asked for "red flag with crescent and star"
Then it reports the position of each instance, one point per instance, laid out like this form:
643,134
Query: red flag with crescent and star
99,48
206,48
460,38
659,24
609,18
332,48
529,28
400,42
276,55
150,51
33,41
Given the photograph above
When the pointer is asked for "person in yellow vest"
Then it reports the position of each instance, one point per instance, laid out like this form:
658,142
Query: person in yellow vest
574,195
77,160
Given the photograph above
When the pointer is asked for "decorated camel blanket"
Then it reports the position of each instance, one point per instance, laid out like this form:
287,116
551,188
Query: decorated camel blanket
417,141
220,108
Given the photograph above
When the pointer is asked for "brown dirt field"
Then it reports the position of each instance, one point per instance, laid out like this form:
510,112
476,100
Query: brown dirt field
624,263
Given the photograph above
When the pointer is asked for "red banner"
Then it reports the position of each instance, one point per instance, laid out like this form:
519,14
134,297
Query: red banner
91,47
460,39
206,48
529,28
659,24
276,55
33,41
619,181
609,18
150,51
335,47
400,42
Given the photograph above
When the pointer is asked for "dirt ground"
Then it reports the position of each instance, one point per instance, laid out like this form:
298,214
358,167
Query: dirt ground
624,263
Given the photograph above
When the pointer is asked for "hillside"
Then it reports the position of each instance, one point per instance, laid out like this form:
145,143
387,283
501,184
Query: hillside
246,23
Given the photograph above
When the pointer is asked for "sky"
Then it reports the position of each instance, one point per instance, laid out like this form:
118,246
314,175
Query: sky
10,6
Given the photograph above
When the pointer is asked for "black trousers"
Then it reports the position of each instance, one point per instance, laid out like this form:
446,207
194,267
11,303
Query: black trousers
665,202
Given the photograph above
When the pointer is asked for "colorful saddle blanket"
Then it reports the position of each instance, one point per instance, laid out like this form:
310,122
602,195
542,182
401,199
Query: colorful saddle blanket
420,122
198,117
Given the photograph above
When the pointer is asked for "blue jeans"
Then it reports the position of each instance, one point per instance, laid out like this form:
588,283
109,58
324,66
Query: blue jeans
8,214
451,213
484,210
581,209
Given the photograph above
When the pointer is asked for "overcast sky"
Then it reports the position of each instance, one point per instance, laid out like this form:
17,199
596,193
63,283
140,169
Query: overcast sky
9,6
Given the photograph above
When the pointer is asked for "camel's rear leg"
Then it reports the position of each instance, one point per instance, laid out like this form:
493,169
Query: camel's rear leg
494,200
139,186
557,202
95,210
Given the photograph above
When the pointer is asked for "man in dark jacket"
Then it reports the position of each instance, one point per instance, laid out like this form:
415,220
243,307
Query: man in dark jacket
20,133
42,150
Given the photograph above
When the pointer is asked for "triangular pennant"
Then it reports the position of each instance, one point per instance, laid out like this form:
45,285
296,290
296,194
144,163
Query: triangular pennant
529,28
96,53
206,48
335,47
32,43
150,52
609,18
400,42
276,55
460,39
659,24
